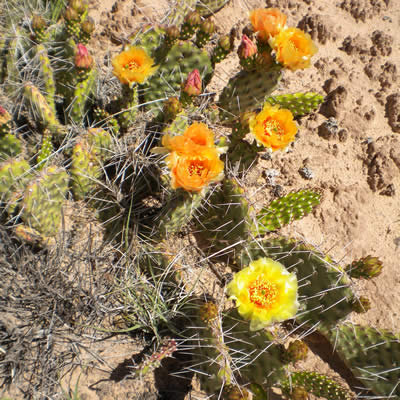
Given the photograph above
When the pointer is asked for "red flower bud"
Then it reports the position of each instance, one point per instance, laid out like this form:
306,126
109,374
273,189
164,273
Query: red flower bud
247,48
192,85
82,57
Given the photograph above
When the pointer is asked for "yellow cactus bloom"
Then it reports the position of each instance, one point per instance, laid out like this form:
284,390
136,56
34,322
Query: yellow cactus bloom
194,172
294,48
267,22
133,65
273,127
265,292
193,140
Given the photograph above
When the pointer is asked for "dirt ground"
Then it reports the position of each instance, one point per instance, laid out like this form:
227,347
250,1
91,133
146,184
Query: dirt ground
350,149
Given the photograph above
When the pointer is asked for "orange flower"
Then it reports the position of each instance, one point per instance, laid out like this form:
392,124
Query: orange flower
267,22
194,172
193,141
294,48
273,127
133,65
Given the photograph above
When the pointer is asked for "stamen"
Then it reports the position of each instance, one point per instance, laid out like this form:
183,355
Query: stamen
263,293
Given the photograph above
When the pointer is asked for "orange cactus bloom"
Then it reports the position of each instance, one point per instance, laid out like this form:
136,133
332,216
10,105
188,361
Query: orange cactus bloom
273,127
193,141
267,22
294,48
133,65
194,172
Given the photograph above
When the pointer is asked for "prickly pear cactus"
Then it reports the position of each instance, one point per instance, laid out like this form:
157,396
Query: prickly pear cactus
14,174
298,103
246,92
291,207
316,384
180,60
41,206
226,223
373,355
325,294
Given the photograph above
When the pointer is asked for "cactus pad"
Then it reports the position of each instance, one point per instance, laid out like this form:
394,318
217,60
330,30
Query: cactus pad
282,211
43,201
373,355
246,92
298,103
13,175
10,146
316,384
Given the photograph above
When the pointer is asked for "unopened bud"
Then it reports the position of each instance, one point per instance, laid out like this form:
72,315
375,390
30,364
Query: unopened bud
38,23
78,5
83,59
296,351
367,267
193,19
225,43
171,35
207,26
208,312
192,85
361,305
87,26
5,116
247,48
171,108
71,15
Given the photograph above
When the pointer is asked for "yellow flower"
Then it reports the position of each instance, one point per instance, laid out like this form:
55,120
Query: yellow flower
267,22
265,293
273,127
294,48
194,172
133,65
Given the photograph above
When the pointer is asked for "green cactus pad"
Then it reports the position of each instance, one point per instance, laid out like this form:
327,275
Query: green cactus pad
43,201
101,141
208,7
256,355
286,209
82,95
225,222
45,151
246,92
316,384
10,146
13,176
47,76
373,355
298,103
181,59
85,169
324,291
178,211
42,110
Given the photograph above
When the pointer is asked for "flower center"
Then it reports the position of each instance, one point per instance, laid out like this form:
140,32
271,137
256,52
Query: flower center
196,168
263,293
272,127
132,65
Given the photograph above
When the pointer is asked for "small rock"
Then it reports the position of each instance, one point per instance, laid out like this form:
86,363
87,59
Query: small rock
328,129
277,191
306,173
343,135
393,111
382,44
334,102
389,191
270,175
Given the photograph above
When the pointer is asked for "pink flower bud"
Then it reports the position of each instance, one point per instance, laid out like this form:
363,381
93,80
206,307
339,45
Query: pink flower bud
82,57
192,85
247,48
